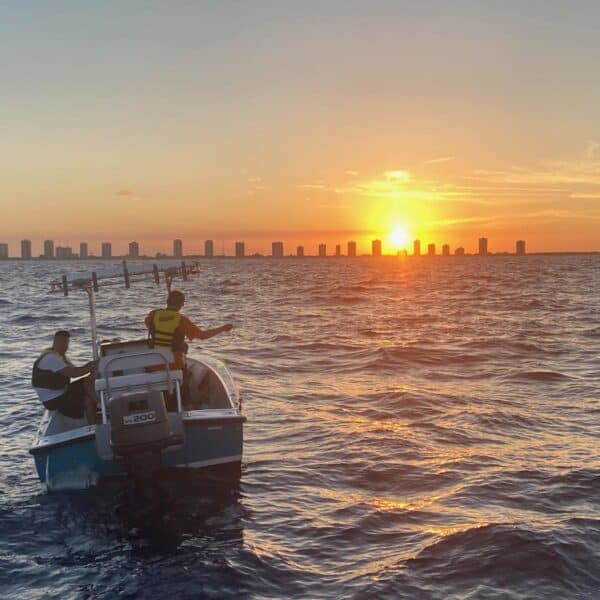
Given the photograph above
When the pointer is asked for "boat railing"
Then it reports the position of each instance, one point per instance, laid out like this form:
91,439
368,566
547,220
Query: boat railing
164,379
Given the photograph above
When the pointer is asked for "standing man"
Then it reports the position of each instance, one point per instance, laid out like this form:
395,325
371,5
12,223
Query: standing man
169,328
51,378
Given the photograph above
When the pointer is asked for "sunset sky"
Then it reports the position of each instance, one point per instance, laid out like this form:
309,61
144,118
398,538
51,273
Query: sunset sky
300,121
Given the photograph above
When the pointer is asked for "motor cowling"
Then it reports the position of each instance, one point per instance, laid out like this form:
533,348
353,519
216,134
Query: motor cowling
140,423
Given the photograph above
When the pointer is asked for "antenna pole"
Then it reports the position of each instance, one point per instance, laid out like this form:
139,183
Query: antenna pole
93,331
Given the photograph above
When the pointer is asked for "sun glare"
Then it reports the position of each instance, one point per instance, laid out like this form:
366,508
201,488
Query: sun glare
399,237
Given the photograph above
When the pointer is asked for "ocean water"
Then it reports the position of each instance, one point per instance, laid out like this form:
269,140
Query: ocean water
416,429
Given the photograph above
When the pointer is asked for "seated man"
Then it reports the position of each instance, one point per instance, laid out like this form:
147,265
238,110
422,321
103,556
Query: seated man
168,328
51,378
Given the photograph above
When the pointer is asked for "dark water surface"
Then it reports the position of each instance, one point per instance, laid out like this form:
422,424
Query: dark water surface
416,429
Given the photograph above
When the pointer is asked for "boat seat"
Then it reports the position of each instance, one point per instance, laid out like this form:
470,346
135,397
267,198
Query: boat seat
128,363
157,381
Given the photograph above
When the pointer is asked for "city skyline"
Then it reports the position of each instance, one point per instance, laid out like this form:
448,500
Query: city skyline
278,250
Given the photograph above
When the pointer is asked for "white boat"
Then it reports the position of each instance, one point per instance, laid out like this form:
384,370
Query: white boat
152,416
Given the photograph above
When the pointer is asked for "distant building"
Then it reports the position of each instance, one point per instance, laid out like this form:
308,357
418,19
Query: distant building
209,248
26,249
48,249
3,250
277,249
445,250
460,251
417,248
376,248
520,248
338,250
177,248
240,250
106,250
83,250
300,251
483,246
134,250
322,250
352,248
63,252
431,250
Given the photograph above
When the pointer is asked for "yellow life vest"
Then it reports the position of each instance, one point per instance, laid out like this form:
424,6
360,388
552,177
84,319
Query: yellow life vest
164,330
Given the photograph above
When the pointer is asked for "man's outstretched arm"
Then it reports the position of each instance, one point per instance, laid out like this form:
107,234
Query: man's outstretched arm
193,332
208,333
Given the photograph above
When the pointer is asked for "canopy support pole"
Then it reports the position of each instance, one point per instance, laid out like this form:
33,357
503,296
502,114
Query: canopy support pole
93,330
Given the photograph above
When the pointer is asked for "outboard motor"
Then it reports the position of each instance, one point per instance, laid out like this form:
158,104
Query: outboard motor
140,430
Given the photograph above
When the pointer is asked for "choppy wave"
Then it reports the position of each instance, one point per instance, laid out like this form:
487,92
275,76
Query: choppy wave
416,429
541,376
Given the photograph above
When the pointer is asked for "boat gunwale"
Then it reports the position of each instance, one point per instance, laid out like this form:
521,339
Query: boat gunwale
79,434
86,432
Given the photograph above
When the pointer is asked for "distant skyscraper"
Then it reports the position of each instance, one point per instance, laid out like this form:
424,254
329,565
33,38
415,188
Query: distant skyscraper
300,251
26,249
376,247
483,246
521,247
63,252
338,250
3,250
417,248
445,250
83,250
431,250
209,248
351,248
322,250
48,249
277,249
177,248
134,250
106,250
460,251
240,250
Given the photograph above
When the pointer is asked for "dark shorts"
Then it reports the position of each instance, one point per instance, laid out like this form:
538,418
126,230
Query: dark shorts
72,402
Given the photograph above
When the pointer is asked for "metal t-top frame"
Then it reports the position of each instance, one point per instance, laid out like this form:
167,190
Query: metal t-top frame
91,281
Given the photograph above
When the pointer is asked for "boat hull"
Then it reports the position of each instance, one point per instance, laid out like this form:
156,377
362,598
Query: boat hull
77,462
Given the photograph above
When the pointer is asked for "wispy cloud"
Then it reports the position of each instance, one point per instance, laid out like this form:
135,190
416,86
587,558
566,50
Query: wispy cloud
398,175
591,149
464,221
336,206
401,185
585,196
441,159
562,173
313,186
124,192
549,187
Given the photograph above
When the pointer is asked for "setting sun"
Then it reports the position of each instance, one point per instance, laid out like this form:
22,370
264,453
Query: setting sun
399,237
